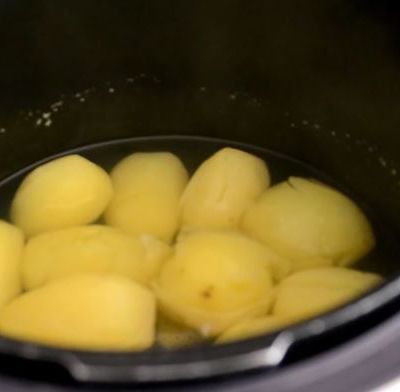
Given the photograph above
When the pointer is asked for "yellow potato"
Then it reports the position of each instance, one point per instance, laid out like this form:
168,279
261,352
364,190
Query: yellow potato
148,187
213,280
280,266
91,312
310,223
311,292
222,188
11,245
172,335
92,248
251,328
65,192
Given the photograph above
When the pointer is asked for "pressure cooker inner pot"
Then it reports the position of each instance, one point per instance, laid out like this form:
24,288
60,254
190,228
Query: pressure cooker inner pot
308,89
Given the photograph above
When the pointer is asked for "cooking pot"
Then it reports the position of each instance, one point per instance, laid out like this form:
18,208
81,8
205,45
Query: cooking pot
317,81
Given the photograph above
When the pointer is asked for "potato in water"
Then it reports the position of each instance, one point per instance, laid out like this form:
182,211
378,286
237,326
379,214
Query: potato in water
11,245
308,293
310,223
251,328
84,312
222,188
147,187
65,192
92,248
280,266
227,257
213,280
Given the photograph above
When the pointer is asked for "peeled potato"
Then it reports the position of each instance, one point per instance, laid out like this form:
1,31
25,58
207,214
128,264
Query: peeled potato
84,312
172,335
213,280
11,245
148,187
251,328
280,266
65,192
222,188
310,223
311,292
92,248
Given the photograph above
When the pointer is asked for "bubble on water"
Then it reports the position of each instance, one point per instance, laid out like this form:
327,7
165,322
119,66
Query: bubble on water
382,161
111,90
205,329
57,104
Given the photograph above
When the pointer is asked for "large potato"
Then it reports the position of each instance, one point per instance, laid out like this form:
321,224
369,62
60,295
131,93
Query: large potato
148,187
310,223
222,188
213,280
251,328
11,245
65,192
280,266
89,312
311,292
92,248
172,335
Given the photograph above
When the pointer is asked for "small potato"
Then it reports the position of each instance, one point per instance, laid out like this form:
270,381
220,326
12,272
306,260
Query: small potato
172,335
222,188
90,312
311,292
213,280
251,328
148,187
92,248
310,223
65,192
11,245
